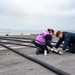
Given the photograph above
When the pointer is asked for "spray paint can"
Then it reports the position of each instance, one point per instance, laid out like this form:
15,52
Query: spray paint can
45,52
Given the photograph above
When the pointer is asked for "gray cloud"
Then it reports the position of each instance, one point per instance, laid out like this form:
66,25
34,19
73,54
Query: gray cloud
37,14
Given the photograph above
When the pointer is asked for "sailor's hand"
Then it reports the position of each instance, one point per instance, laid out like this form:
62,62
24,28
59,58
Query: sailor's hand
54,48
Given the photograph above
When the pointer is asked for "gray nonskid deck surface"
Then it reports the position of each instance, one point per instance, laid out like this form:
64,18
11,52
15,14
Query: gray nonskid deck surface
65,62
13,64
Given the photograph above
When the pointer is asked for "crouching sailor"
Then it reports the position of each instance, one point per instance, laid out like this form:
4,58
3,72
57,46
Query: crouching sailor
43,40
69,41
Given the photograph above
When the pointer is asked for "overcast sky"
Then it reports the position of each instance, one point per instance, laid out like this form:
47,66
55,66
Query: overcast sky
37,14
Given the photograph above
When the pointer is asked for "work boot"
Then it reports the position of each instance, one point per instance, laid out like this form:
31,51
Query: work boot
67,51
38,50
48,51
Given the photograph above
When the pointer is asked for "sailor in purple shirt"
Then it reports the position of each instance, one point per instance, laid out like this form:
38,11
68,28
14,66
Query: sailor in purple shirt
43,40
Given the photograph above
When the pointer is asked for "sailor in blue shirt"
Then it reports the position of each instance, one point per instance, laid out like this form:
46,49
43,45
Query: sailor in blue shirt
67,37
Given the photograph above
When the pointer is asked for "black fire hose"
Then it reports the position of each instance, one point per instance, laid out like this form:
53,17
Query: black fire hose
54,69
16,37
18,44
21,44
9,37
25,41
20,39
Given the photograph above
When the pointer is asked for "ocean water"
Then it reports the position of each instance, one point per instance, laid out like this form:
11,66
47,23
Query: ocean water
24,32
19,32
